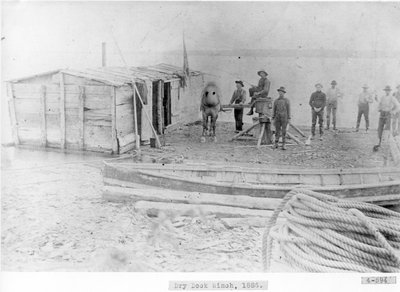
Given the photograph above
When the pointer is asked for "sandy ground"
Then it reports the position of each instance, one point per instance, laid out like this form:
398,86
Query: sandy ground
53,217
341,149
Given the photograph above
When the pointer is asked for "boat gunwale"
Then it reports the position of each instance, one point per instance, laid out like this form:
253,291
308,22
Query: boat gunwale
266,186
277,171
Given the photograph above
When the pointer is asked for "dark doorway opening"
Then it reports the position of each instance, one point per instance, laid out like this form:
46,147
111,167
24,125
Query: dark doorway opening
167,104
162,113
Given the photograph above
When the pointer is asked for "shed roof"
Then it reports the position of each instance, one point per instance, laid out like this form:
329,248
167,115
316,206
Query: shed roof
119,76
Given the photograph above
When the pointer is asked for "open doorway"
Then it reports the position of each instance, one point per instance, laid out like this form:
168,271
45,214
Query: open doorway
167,104
162,113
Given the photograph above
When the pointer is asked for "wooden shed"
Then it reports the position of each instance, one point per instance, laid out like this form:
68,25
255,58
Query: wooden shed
92,109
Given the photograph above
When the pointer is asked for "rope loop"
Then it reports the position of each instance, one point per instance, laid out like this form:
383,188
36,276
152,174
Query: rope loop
322,233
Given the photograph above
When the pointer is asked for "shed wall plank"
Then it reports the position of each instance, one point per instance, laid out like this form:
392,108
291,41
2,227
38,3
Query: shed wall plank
43,115
62,112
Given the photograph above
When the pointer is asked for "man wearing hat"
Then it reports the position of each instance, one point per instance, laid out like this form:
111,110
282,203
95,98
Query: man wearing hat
238,97
261,90
396,117
364,99
317,103
388,106
281,116
332,95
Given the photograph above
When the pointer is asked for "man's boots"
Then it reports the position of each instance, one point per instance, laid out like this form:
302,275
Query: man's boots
276,144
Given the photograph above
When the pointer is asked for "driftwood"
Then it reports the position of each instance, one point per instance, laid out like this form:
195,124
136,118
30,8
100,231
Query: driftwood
172,209
118,194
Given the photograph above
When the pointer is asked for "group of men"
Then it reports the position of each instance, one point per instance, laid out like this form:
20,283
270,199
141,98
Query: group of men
389,107
280,111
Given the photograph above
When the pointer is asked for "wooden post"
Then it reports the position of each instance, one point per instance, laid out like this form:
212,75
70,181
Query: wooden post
43,125
81,117
103,54
114,120
137,138
159,108
62,111
13,115
261,135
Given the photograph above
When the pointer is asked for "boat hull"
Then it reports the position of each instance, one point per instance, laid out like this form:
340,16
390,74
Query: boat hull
203,179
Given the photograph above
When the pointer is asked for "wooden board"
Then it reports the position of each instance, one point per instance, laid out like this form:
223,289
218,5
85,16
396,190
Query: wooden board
43,124
72,134
62,112
154,208
81,117
123,95
12,112
114,121
27,105
121,194
97,138
124,115
29,135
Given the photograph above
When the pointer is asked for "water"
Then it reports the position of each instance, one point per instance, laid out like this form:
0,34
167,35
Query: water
13,158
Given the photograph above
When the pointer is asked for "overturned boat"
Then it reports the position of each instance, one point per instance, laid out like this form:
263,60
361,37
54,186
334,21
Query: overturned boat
371,185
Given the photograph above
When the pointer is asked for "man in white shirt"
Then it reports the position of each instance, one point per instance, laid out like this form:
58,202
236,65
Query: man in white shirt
332,96
364,99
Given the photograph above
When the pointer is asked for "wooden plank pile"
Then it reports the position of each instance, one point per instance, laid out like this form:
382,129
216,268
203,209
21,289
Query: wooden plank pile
233,210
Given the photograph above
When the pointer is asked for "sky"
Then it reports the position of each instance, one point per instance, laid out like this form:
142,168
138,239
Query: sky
68,33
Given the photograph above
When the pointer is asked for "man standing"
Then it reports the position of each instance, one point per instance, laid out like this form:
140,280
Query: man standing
364,99
261,90
281,116
388,105
238,97
317,103
332,95
396,117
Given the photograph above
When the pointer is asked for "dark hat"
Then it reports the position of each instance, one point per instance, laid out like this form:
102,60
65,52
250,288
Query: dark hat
239,82
262,71
282,89
333,82
387,88
318,84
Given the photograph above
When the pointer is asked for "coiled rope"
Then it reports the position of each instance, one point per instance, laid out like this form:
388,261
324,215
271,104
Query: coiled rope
322,233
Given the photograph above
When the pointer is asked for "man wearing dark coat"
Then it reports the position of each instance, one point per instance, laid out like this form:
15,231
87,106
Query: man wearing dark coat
317,103
238,97
261,90
281,116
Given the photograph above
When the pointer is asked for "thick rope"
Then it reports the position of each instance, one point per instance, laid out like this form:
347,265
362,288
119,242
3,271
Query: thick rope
327,234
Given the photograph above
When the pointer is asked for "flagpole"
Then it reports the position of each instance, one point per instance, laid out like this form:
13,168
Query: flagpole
185,62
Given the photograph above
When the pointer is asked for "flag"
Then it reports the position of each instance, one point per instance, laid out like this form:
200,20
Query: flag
185,64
